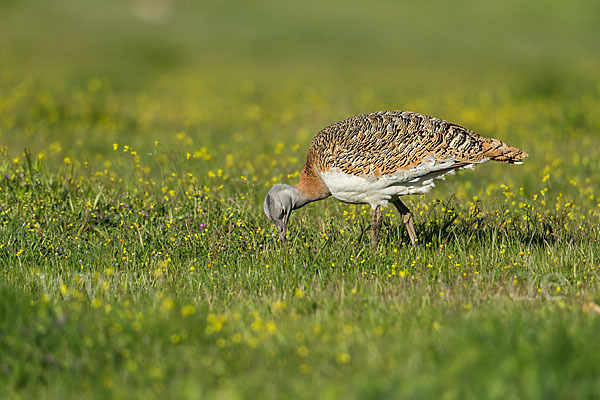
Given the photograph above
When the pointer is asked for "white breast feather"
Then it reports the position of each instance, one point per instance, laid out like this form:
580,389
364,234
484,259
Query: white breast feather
378,191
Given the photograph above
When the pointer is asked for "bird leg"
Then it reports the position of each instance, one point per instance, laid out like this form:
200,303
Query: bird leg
376,218
407,219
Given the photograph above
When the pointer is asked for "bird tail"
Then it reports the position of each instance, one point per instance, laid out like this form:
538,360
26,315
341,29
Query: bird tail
499,151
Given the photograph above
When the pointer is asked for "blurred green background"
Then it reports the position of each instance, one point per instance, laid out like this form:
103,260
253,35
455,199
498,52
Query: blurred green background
413,46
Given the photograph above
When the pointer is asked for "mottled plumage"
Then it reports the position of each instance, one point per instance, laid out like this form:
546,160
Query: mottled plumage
375,158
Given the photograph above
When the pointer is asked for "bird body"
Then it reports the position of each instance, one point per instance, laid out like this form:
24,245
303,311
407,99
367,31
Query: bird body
376,158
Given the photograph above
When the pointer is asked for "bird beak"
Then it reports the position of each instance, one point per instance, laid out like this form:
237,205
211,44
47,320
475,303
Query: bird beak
282,229
282,226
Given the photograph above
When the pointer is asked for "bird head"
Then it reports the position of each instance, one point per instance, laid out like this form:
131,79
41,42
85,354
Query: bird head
278,206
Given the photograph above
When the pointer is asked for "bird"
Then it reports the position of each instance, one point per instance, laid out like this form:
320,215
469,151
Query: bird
378,157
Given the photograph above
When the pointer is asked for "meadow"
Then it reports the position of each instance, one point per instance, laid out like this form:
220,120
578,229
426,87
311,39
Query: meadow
137,145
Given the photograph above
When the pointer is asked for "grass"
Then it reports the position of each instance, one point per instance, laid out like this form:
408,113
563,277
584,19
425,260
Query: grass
136,260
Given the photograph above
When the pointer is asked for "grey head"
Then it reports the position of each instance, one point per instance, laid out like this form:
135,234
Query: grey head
279,203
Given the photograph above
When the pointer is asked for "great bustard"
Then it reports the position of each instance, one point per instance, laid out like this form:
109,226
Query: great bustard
378,157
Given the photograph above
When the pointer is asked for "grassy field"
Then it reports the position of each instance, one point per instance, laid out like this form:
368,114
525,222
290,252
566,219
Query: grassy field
138,142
